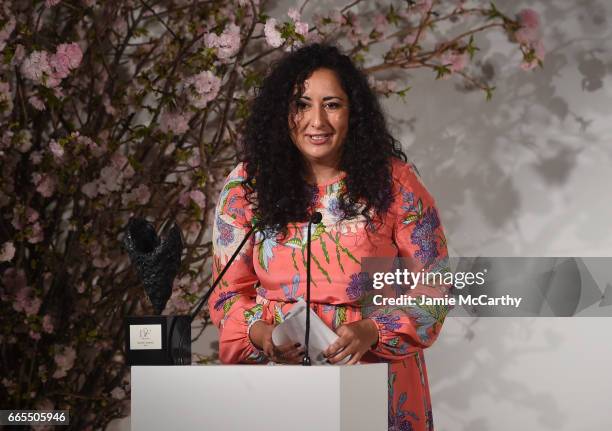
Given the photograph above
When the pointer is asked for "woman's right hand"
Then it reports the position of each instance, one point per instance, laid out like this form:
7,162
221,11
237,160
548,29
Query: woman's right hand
261,337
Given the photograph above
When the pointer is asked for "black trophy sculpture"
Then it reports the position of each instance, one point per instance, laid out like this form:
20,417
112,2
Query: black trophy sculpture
157,261
153,340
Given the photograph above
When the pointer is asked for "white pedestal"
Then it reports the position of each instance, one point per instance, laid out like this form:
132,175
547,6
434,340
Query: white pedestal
259,397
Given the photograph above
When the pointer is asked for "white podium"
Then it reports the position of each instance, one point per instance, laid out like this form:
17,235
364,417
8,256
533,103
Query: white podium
259,397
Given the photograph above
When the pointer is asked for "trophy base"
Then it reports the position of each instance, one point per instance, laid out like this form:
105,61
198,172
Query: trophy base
158,340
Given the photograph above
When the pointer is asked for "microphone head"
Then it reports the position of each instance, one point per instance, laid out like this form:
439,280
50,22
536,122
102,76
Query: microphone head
316,217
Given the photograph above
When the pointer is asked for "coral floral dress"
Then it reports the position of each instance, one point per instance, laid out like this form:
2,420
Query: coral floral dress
269,276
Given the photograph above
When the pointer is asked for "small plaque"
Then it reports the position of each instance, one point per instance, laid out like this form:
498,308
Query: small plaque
145,337
157,340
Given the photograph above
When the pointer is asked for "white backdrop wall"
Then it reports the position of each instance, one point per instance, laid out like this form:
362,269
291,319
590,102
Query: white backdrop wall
526,174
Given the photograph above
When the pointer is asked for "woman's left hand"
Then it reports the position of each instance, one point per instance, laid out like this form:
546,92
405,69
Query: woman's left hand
356,338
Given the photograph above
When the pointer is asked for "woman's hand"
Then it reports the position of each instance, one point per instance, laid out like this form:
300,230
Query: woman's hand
355,339
261,337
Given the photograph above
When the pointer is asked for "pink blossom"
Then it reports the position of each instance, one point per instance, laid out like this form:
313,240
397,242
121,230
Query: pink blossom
183,199
273,36
382,86
324,24
36,157
227,44
140,194
294,14
380,23
539,50
47,324
22,298
64,360
528,65
36,234
529,32
32,307
119,161
7,252
90,189
7,140
96,150
56,149
529,18
538,56
36,103
25,301
59,64
72,54
526,36
45,184
67,57
314,37
129,171
36,66
454,60
34,335
110,180
51,3
143,194
175,122
206,86
355,34
31,215
337,17
301,28
118,393
198,197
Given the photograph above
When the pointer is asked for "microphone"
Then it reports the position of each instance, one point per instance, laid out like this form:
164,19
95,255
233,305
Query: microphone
315,219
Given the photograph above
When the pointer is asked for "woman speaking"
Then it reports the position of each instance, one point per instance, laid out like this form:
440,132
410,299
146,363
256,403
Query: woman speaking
316,140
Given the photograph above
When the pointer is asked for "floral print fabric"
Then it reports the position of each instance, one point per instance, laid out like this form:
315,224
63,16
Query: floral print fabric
269,275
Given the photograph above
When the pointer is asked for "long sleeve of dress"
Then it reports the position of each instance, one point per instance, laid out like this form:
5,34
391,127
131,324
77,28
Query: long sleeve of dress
232,305
420,240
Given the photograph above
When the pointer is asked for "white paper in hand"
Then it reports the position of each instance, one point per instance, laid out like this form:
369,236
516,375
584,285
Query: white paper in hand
293,329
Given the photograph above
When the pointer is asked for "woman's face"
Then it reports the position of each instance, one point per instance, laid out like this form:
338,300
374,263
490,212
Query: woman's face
320,122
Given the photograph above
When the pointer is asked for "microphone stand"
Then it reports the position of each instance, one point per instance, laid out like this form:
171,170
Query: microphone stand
314,219
204,299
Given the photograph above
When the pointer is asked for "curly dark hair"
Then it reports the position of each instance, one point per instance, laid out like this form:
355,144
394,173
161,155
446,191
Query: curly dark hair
275,181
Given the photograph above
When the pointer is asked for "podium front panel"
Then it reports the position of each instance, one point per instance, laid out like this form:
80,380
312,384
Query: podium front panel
259,397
